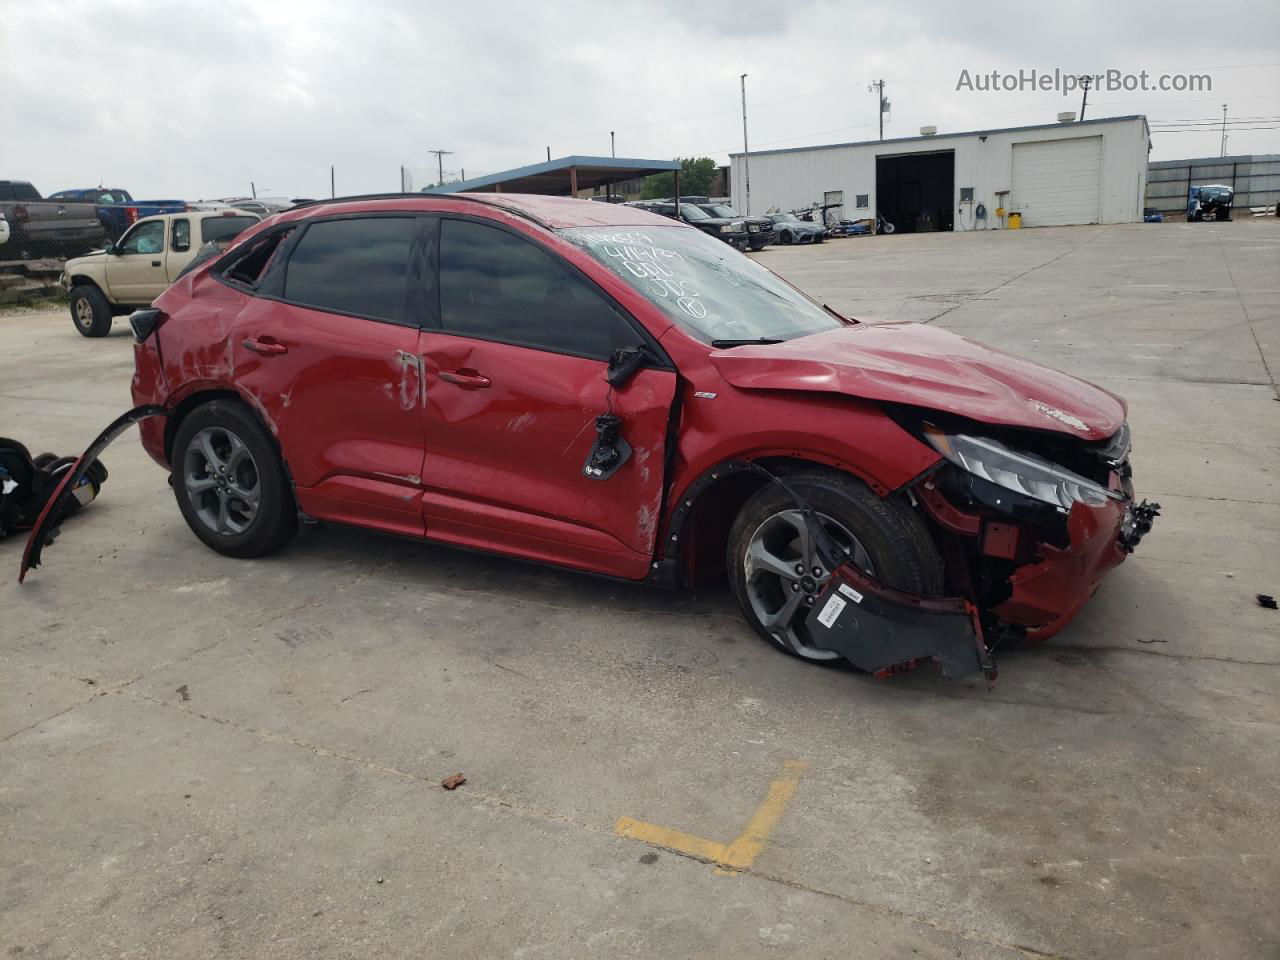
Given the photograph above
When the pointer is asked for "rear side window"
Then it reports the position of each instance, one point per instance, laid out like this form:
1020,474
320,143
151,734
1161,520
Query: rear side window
217,229
497,286
182,235
358,266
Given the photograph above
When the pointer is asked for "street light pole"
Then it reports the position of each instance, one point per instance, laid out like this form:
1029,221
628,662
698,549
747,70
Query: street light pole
1224,134
613,150
746,152
1085,81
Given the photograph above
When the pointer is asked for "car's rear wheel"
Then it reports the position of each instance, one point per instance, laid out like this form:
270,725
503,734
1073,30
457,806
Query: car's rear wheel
229,482
776,576
90,311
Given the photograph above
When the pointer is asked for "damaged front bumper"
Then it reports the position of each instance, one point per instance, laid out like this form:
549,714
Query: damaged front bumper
882,630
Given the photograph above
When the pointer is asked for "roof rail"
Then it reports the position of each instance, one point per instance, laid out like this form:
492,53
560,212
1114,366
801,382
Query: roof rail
473,197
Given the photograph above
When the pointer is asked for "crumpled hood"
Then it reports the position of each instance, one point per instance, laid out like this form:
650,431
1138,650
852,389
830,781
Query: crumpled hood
925,366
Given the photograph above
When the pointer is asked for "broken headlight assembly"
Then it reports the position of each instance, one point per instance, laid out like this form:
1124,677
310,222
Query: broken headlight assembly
1022,473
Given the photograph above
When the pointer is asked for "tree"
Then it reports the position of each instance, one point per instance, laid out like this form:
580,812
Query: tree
696,174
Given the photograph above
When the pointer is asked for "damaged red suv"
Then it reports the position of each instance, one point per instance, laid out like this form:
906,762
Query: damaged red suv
593,386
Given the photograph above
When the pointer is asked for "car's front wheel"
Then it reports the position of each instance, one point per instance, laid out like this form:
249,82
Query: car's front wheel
773,569
90,311
229,482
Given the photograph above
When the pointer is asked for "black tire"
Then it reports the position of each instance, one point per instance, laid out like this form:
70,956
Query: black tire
895,540
275,519
786,237
90,311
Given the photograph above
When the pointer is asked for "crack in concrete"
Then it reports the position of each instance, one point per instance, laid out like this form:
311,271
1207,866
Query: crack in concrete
1248,319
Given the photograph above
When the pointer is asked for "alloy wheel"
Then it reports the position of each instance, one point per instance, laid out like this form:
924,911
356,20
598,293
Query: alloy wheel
784,578
222,481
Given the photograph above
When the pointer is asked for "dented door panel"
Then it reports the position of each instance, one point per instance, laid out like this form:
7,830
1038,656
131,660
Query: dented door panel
504,462
343,396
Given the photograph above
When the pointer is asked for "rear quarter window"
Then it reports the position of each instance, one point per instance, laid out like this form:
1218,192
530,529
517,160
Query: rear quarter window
220,228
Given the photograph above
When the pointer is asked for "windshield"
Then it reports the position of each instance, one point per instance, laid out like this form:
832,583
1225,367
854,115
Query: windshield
690,212
785,218
703,284
721,210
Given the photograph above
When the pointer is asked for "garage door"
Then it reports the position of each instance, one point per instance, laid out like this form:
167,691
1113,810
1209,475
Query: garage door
1057,182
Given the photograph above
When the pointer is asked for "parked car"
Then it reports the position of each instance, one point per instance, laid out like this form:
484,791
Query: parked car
760,232
791,229
732,230
45,228
150,256
116,209
597,387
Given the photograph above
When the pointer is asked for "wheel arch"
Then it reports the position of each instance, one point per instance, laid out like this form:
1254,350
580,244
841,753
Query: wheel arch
207,393
697,529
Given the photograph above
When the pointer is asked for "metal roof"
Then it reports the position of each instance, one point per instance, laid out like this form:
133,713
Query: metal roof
553,176
948,136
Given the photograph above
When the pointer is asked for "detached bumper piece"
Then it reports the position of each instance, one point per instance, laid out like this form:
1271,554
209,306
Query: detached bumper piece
46,526
884,631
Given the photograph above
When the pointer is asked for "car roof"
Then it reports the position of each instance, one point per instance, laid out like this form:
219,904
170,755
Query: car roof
552,212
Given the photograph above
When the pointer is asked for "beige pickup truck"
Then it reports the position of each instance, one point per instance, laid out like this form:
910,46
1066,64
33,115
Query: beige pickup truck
147,258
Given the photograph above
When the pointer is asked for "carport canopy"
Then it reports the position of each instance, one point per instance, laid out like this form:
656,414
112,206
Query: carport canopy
563,177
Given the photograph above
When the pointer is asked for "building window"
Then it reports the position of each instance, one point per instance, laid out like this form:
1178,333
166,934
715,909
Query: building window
864,201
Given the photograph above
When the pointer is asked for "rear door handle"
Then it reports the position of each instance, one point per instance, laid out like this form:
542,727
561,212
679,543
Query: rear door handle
265,346
466,378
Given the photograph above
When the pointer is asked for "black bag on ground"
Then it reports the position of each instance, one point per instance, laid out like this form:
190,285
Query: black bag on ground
27,483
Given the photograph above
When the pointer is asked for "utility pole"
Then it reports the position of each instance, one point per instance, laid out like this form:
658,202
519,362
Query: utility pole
332,190
548,154
613,149
746,151
1224,133
440,155
1085,81
881,103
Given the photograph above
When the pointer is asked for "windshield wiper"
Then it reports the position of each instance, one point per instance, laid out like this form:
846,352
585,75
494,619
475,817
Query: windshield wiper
722,344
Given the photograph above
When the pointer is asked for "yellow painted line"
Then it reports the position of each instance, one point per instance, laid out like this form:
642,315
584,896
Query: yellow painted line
743,851
736,856
669,839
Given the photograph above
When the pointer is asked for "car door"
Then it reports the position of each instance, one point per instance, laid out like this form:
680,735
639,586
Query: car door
515,381
327,348
135,270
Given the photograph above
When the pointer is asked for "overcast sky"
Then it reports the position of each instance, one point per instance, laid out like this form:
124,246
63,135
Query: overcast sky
198,99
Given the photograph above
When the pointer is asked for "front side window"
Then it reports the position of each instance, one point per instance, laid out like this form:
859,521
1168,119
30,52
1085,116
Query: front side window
144,238
182,235
705,286
358,266
497,286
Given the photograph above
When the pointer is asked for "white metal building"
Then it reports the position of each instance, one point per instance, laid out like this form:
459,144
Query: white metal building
1093,171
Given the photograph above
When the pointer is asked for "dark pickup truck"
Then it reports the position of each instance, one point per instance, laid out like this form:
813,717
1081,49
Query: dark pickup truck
116,209
45,228
732,230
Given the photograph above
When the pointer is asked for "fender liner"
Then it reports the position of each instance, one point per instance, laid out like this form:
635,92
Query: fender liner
46,525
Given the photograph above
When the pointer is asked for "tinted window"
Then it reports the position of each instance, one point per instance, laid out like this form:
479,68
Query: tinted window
355,266
25,191
6,191
216,229
253,261
181,235
497,286
144,238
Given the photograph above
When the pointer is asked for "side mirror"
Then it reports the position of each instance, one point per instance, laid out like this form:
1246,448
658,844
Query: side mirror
111,250
624,364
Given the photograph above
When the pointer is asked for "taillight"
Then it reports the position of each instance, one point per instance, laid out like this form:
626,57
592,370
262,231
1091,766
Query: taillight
131,214
144,322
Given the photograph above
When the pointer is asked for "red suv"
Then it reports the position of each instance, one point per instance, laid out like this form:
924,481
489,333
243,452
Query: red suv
601,388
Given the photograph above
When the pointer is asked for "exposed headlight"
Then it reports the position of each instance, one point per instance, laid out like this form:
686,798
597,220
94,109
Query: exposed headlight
1023,473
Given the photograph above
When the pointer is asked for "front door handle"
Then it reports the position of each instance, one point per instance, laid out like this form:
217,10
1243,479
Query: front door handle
466,378
265,346
155,263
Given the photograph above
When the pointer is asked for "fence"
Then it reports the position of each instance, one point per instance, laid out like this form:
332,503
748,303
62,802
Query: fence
1255,179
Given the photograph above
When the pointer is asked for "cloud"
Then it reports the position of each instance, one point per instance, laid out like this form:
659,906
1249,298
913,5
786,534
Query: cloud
200,99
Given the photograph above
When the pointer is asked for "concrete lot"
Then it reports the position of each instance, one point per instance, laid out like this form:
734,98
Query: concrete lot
1114,796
